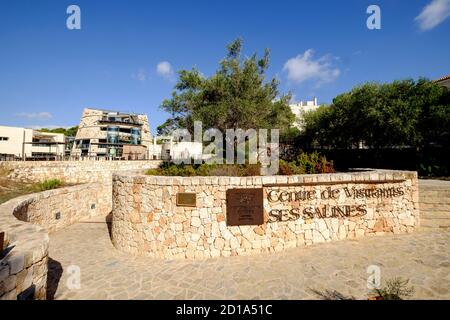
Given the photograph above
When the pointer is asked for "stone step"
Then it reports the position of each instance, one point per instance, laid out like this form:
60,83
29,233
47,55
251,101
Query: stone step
428,192
426,183
434,192
422,228
435,223
435,215
434,206
431,200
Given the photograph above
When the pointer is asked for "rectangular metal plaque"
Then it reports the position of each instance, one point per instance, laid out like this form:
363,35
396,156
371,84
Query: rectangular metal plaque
245,207
186,199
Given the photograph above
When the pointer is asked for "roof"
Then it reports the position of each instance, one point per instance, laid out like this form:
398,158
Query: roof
118,112
447,77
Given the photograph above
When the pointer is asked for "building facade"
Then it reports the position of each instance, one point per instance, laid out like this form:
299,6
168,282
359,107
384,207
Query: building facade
300,108
166,148
112,134
444,81
24,143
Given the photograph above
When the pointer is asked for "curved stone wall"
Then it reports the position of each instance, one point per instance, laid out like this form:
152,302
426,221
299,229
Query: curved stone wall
28,219
298,210
24,268
59,208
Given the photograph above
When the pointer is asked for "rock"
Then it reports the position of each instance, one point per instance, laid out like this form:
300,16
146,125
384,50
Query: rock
219,243
196,222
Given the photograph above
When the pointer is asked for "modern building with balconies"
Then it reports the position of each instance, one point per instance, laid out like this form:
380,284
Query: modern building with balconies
18,143
113,135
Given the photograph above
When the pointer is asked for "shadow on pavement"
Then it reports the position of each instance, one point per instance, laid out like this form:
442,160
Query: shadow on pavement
54,274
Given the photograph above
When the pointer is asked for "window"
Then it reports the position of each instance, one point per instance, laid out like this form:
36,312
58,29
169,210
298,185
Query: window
4,138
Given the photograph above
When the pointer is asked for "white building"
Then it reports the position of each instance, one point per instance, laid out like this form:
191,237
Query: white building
25,143
164,147
300,108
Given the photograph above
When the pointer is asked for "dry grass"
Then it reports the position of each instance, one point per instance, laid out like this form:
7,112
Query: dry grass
11,189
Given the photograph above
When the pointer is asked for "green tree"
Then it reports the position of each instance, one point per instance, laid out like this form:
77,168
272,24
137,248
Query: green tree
69,132
235,96
404,113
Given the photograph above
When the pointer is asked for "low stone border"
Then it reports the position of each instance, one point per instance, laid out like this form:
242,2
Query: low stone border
27,220
59,208
73,171
25,265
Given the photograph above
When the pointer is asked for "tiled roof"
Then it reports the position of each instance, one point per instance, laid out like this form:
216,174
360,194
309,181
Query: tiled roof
443,78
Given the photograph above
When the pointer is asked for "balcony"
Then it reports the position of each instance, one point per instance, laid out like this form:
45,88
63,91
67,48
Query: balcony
121,120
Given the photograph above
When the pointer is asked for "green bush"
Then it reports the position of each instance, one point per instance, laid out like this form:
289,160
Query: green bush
305,163
49,184
308,163
170,169
395,289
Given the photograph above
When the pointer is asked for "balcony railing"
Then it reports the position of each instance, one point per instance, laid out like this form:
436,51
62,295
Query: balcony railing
120,121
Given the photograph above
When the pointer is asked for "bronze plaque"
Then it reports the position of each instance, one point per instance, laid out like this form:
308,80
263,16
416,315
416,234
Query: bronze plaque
245,207
186,199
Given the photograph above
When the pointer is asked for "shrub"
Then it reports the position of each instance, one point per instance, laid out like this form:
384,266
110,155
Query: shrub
171,169
49,184
395,289
153,172
305,163
286,168
247,170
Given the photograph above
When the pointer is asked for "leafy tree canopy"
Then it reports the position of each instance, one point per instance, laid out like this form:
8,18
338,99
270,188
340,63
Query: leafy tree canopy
398,114
235,96
68,132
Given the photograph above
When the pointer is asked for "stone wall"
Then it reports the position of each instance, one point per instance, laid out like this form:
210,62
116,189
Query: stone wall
28,219
146,219
73,171
59,208
24,268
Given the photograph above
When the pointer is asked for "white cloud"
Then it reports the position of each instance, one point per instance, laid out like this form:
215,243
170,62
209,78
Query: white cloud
34,115
164,69
433,14
141,75
303,67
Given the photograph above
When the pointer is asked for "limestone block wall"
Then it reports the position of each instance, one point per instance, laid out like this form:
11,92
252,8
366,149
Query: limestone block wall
24,267
73,171
298,210
59,208
28,219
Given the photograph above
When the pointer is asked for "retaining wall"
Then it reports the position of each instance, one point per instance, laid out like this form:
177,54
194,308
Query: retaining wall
73,171
28,219
298,210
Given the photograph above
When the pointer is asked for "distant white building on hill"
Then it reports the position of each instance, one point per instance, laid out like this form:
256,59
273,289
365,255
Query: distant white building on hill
300,108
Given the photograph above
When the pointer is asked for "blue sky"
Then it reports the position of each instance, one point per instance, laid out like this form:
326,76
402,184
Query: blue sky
48,73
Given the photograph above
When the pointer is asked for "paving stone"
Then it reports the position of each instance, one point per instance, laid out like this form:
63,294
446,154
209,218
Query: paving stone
297,273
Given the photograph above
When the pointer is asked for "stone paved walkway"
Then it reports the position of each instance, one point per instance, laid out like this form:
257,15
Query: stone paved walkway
300,273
